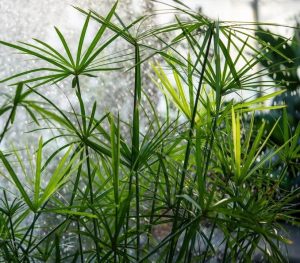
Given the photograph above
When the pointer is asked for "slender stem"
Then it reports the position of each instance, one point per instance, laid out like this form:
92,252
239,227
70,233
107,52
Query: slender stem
76,184
82,109
210,238
153,204
189,255
225,251
48,235
83,118
136,114
92,201
209,143
137,197
114,245
115,238
5,129
30,236
127,214
13,110
35,218
13,235
10,214
135,141
135,147
188,149
80,242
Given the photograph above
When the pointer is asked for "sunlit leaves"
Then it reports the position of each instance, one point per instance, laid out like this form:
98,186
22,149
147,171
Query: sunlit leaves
65,167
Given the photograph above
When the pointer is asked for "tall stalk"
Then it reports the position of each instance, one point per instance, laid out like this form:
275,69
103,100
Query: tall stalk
188,148
136,140
87,154
135,148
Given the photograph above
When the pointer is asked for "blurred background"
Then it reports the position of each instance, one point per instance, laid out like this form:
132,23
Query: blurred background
22,20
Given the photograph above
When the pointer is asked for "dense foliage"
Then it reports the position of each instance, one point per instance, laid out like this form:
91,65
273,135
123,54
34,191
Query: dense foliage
198,182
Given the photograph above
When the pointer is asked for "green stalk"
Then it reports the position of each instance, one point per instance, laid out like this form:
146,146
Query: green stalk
11,226
225,252
209,143
137,198
92,202
82,109
13,236
153,204
136,140
80,242
77,178
83,118
189,255
30,237
127,215
12,114
188,150
210,238
135,146
115,146
31,227
48,235
5,129
208,149
136,114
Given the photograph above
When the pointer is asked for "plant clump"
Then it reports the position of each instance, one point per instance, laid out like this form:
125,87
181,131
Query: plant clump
198,182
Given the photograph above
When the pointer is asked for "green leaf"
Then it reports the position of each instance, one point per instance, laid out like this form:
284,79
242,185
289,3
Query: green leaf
38,171
86,59
115,146
63,41
236,134
81,39
16,180
60,175
64,211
